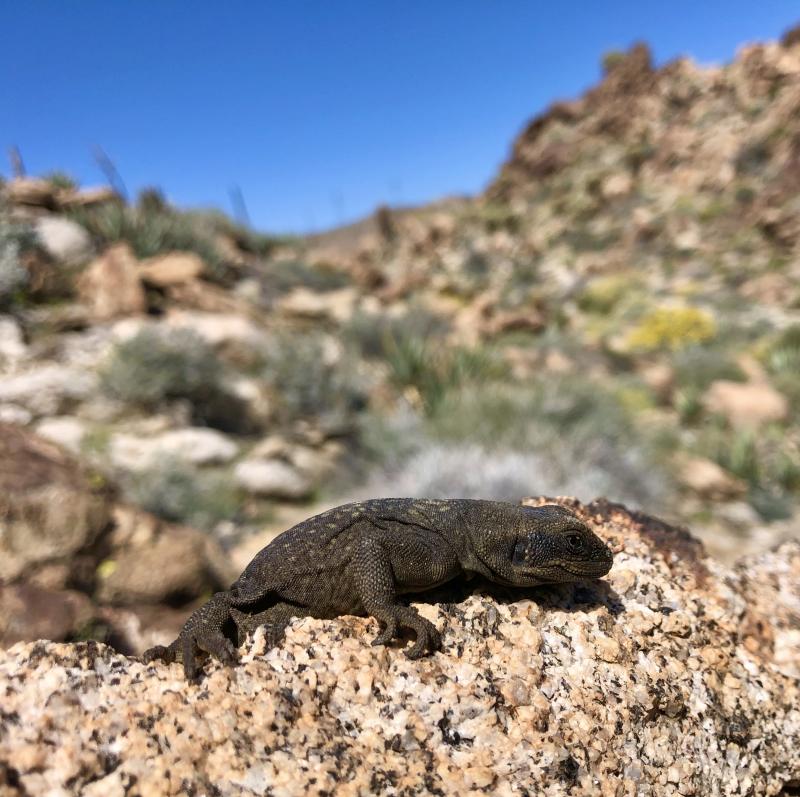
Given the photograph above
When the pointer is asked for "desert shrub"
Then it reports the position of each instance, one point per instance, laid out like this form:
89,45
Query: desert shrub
769,461
283,276
584,239
153,366
179,493
150,231
469,470
310,378
497,216
672,328
152,200
753,157
612,59
374,335
14,240
602,294
784,353
427,371
558,436
529,415
61,180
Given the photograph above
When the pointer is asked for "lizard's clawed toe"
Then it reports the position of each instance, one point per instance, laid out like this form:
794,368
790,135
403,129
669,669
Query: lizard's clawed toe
159,653
387,635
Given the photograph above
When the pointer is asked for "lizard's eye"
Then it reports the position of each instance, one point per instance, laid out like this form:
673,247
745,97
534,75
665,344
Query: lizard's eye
575,543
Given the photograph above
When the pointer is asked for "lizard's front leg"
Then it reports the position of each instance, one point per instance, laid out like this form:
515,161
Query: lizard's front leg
372,574
203,631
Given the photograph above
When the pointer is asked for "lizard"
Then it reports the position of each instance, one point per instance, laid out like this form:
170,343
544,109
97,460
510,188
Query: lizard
360,558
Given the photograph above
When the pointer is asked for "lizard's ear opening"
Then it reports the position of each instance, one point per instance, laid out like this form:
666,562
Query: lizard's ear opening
523,551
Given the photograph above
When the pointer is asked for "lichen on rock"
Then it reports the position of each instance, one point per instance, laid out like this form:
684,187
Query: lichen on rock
674,675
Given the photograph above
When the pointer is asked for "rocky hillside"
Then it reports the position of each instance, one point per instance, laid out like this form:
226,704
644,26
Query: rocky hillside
618,314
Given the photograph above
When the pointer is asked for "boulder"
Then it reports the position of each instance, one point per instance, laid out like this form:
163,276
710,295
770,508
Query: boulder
746,404
63,239
273,478
196,446
110,286
173,268
29,612
153,562
674,675
51,510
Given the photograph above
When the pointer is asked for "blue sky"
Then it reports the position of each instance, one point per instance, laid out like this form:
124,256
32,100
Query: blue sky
319,110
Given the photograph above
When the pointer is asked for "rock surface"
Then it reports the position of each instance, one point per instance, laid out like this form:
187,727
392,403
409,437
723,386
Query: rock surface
674,676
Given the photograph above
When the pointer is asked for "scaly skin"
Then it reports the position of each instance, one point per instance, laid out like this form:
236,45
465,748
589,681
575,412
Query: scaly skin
359,558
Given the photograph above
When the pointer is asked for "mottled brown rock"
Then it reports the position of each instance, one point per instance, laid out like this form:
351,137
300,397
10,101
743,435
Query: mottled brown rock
152,561
652,682
51,509
111,286
31,612
173,268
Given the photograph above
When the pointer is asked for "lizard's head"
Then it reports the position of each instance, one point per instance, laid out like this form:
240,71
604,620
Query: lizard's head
543,544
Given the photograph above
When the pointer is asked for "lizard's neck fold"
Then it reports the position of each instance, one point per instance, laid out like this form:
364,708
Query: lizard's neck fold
461,531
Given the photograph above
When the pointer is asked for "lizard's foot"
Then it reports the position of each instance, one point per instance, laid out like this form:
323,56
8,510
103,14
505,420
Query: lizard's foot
428,638
186,647
202,633
272,620
161,653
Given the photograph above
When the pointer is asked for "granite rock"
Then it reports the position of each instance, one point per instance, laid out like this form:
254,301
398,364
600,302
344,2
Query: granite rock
675,675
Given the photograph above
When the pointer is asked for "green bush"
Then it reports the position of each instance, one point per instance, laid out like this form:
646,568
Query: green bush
523,416
182,494
577,429
14,240
374,335
428,371
308,381
602,294
769,461
61,180
784,354
153,367
283,276
612,59
150,231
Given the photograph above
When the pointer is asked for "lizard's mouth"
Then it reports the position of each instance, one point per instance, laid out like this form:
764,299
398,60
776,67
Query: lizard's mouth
560,571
